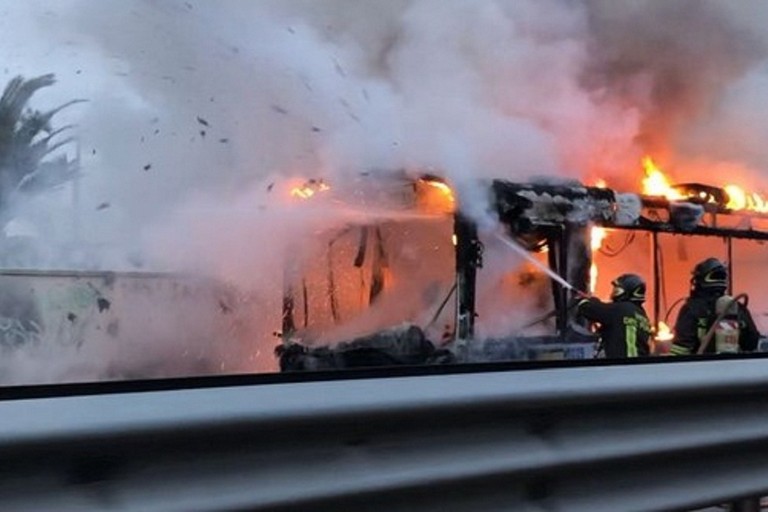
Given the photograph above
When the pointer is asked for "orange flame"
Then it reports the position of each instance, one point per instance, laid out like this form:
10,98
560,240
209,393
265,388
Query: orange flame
435,196
656,182
663,332
309,189
662,340
739,199
597,236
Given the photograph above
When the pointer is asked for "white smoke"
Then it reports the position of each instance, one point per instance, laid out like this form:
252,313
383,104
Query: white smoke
475,89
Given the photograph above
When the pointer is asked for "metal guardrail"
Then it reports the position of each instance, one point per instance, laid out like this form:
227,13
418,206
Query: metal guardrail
605,438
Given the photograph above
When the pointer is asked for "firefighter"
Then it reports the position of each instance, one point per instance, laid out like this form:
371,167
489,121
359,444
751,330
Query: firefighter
709,281
624,328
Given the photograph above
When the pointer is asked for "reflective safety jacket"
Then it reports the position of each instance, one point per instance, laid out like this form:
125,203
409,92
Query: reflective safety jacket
624,328
696,318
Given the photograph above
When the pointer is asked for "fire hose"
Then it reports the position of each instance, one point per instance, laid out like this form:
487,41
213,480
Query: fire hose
707,339
553,313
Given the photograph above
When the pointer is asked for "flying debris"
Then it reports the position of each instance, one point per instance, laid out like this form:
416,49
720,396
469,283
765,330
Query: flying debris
339,69
202,133
270,187
224,140
202,121
224,307
103,206
147,167
316,129
279,109
103,304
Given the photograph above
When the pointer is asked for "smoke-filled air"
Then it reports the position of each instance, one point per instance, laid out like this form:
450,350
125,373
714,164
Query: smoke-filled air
182,203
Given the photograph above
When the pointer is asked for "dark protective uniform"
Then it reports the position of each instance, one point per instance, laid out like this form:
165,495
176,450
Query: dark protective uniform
696,318
624,328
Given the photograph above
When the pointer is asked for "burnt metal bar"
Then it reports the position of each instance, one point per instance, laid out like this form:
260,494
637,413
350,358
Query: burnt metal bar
713,209
333,301
575,268
362,247
525,206
289,324
290,273
729,253
468,260
571,190
665,227
562,269
554,246
656,278
380,263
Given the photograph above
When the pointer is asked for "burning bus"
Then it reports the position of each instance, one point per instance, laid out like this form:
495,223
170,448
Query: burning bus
424,286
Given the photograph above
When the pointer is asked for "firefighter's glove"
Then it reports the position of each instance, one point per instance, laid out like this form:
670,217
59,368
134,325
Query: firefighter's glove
577,301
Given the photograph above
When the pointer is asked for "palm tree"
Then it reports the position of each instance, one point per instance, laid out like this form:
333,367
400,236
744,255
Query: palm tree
27,145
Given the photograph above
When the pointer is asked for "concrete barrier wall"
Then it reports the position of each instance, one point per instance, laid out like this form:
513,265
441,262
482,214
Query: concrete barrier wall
65,326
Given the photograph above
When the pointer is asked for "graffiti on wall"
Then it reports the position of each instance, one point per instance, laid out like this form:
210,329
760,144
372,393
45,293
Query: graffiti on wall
132,325
57,308
69,311
15,332
20,319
